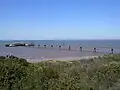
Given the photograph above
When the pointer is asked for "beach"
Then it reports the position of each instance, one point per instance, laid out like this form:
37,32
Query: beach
37,54
63,59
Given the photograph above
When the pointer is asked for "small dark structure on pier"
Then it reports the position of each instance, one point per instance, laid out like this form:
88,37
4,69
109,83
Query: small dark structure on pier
19,44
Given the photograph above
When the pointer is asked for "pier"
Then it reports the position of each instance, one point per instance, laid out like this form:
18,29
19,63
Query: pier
106,50
80,48
56,51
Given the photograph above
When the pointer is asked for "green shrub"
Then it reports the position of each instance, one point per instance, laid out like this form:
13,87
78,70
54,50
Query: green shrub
11,72
94,74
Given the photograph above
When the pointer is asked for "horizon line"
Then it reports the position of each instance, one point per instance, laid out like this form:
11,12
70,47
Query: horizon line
51,39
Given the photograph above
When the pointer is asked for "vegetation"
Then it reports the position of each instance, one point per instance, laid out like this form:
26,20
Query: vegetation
94,74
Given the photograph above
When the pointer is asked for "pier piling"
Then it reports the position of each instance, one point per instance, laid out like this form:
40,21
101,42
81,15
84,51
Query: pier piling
45,46
38,45
51,45
112,50
94,50
59,46
69,48
81,49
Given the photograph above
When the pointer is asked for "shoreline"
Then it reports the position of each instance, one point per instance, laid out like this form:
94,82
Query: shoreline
62,59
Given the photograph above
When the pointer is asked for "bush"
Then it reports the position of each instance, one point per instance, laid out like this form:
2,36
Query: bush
12,70
95,74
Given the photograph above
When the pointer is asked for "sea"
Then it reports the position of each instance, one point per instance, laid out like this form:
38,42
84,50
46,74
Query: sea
48,52
89,43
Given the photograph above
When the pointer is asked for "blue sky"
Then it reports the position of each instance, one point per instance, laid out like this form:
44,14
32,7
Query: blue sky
59,19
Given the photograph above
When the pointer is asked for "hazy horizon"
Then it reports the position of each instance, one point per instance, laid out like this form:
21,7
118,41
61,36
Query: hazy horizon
58,39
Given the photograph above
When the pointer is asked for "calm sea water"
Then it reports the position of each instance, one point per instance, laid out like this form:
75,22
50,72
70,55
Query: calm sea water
87,43
103,46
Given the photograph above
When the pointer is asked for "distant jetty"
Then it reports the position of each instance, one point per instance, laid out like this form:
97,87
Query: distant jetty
19,44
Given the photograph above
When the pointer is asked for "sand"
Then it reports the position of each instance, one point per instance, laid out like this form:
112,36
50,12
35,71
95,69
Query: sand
63,59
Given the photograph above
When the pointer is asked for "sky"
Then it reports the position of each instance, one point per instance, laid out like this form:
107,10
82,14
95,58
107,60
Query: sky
59,19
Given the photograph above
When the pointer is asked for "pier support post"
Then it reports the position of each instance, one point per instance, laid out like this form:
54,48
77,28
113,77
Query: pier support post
81,49
38,45
51,45
59,46
94,50
69,48
112,51
45,46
